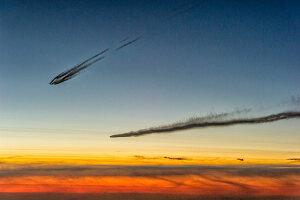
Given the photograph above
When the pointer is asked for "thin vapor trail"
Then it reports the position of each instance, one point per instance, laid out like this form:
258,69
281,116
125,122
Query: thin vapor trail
184,9
128,43
210,122
125,39
71,73
76,72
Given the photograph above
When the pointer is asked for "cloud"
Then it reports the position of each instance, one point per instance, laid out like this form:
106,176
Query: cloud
275,171
219,120
140,157
175,158
164,157
208,180
295,159
132,196
295,100
292,102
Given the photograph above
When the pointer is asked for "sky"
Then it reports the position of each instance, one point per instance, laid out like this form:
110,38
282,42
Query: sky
217,57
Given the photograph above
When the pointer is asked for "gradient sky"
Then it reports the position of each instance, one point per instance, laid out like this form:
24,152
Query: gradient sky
218,57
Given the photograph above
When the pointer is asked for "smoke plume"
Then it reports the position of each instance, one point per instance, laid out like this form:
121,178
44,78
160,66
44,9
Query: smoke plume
210,121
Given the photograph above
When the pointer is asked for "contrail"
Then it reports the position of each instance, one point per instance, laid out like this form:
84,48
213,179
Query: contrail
71,73
181,6
75,72
210,122
184,8
125,39
128,43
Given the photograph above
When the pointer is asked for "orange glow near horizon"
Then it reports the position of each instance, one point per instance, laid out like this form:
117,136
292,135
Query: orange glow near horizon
167,184
147,174
140,160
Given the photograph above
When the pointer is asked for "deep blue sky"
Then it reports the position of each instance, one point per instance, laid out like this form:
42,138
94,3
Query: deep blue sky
217,57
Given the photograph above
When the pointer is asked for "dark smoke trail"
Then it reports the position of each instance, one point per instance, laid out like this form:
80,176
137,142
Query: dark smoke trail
102,52
69,74
76,71
128,43
210,122
184,9
125,39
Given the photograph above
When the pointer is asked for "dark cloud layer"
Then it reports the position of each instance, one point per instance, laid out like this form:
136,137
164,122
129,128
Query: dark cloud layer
238,178
295,159
274,171
133,196
210,121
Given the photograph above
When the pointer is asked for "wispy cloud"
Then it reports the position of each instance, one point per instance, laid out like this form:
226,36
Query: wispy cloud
218,120
295,100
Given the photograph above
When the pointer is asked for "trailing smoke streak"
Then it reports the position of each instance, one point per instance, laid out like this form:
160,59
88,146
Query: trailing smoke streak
184,9
102,52
125,39
178,11
71,73
76,72
208,122
128,43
